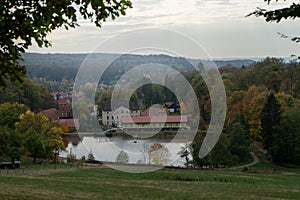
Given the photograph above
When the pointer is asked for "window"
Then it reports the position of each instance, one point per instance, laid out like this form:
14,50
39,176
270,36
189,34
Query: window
107,117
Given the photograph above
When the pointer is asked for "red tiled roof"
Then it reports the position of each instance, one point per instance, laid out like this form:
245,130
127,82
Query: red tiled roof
71,123
51,113
157,119
62,101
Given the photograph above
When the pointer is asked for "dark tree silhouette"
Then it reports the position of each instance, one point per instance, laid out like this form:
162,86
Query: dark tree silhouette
270,120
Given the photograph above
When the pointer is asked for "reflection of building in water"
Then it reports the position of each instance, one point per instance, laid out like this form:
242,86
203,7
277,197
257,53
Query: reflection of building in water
102,139
137,149
154,122
74,139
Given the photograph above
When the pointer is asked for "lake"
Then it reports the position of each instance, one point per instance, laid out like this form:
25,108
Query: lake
108,148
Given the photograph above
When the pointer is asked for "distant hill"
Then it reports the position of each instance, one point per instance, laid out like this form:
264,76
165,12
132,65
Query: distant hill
59,66
58,60
226,63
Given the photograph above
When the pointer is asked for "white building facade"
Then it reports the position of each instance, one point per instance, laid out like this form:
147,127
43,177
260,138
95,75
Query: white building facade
110,118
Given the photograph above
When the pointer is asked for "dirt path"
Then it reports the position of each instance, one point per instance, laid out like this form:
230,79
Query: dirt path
255,160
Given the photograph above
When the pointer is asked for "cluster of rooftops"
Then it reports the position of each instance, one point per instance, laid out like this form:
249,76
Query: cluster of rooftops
166,116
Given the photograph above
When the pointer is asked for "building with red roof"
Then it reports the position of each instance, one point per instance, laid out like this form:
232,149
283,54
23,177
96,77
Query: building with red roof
72,124
61,119
154,122
52,113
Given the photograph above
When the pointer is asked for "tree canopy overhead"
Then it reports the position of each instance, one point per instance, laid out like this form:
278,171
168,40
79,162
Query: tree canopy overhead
291,12
22,22
276,15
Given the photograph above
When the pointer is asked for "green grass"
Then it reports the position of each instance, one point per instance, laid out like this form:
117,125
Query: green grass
106,183
263,164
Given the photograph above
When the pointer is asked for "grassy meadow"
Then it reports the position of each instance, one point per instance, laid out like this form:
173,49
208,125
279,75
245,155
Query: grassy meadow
66,182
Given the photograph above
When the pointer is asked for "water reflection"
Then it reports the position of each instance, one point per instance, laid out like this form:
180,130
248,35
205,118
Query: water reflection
139,150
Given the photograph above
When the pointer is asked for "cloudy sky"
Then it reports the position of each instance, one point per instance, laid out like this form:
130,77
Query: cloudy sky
219,26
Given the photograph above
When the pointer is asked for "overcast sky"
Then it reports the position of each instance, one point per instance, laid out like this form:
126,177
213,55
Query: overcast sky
219,26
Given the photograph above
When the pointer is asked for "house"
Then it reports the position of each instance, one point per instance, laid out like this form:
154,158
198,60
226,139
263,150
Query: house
52,113
55,114
114,118
72,124
154,122
64,108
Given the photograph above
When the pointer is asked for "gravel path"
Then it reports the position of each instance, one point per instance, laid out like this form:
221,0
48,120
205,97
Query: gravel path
255,160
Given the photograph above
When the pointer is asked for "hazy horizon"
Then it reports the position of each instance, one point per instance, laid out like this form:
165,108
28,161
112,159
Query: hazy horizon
219,26
211,58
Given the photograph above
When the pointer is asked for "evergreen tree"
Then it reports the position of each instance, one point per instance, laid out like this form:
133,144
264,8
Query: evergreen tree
220,156
287,140
270,120
239,135
195,148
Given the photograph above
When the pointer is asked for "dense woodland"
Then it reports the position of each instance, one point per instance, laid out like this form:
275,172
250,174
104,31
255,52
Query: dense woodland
34,96
262,114
262,107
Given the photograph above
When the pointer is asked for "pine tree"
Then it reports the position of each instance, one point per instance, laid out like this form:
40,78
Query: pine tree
270,120
239,134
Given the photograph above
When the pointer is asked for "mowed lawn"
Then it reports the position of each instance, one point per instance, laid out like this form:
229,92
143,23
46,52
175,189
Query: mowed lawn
106,183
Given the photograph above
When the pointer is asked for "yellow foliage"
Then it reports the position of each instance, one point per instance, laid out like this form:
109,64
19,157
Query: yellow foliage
64,128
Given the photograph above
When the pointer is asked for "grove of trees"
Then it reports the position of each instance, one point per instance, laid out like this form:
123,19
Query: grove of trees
24,133
34,96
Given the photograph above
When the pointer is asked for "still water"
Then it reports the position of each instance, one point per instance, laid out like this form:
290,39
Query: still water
108,148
